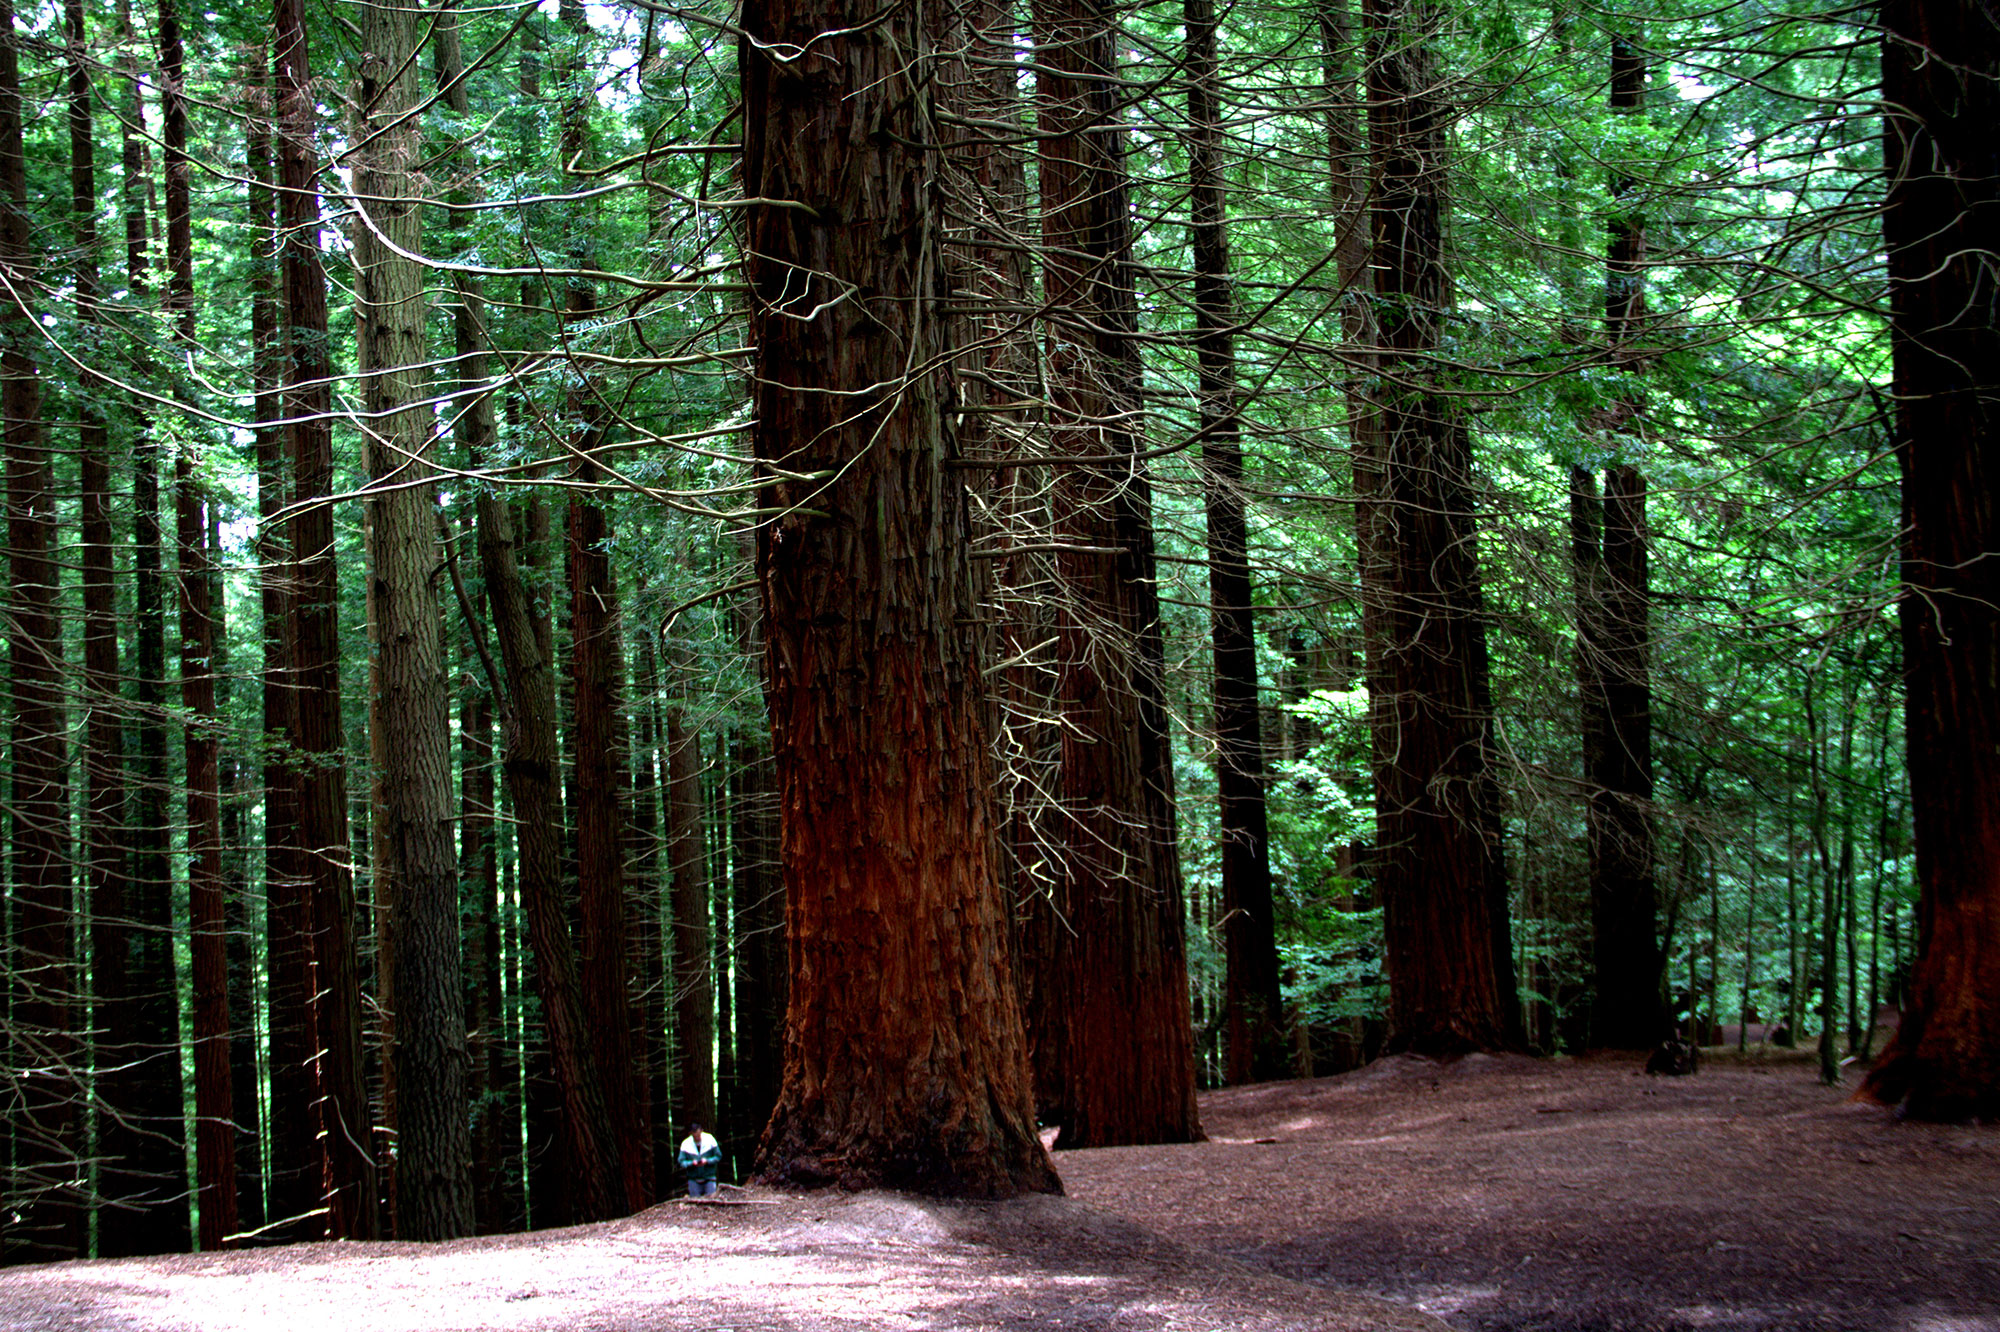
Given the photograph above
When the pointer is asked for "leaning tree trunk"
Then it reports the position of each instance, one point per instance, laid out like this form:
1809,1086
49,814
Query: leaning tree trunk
1114,1044
917,1079
1431,722
346,1136
434,1147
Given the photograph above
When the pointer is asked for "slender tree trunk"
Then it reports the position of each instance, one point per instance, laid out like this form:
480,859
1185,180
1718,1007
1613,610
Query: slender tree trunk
348,1182
694,996
1431,724
43,971
1253,1009
528,725
140,1134
918,1079
1114,1044
215,1133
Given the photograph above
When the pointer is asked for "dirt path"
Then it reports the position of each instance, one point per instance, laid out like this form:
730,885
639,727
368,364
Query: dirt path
1493,1193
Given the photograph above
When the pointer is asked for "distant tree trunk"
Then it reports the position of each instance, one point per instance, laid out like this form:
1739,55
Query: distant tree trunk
134,1174
651,976
1253,1007
43,972
528,724
214,1102
434,1153
1434,793
694,997
288,919
760,901
1608,555
140,1133
1113,1041
345,1134
1941,88
917,1079
1828,977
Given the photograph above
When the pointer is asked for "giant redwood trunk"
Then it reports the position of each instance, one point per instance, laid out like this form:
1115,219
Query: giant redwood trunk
916,1077
1254,1043
45,1216
346,1138
1431,720
1113,1040
1941,86
434,1147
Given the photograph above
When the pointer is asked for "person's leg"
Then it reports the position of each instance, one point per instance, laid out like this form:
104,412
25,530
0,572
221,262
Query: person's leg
694,1188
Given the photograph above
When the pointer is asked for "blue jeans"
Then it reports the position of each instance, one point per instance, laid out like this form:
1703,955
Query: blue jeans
700,1188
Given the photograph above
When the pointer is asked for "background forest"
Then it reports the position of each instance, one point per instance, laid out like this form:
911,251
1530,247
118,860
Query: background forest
1433,444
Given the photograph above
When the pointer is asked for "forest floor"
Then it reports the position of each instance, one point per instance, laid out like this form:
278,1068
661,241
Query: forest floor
1489,1193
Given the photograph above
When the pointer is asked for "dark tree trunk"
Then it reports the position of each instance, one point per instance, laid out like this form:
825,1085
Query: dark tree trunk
917,1079
414,851
140,1133
1113,1042
651,976
214,1102
1253,1011
44,1102
346,1137
760,956
530,765
1443,921
694,995
294,1189
1614,642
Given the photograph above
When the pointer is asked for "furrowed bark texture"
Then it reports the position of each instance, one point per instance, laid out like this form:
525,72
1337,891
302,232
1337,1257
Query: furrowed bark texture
1113,1038
347,1184
434,1146
905,1065
1434,794
1941,84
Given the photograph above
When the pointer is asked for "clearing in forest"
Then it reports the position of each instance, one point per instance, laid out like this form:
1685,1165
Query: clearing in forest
1489,1193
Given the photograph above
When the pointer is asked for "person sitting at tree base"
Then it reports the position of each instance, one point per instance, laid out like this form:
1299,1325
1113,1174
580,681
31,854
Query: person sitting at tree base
700,1155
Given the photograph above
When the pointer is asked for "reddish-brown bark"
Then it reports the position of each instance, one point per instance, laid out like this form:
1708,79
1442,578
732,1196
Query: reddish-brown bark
1443,921
1941,86
1113,1043
916,1077
346,1137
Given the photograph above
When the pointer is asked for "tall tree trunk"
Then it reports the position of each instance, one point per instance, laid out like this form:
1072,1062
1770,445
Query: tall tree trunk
1253,1008
135,1173
1114,1045
140,1133
415,851
1941,88
46,1123
1443,927
348,1182
919,1079
287,911
597,684
214,1101
528,725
